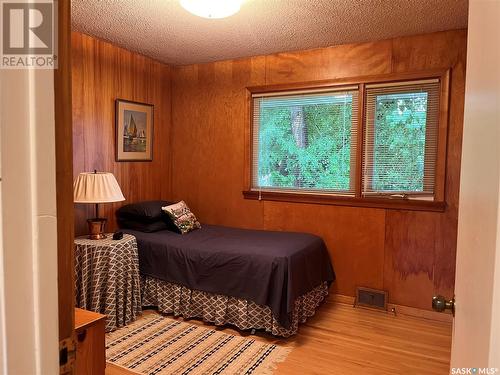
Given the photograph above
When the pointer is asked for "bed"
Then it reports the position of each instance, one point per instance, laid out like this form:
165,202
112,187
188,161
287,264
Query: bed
252,279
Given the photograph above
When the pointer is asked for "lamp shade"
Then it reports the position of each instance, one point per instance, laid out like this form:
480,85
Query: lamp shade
100,187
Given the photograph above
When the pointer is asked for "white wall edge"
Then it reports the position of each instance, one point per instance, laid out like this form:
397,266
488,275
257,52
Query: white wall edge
29,223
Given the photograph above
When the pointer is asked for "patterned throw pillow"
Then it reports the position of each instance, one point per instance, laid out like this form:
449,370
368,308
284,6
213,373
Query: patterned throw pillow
182,217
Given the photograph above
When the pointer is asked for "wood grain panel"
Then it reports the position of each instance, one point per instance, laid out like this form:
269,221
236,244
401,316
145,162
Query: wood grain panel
348,60
428,51
432,51
351,255
101,74
411,254
212,132
64,174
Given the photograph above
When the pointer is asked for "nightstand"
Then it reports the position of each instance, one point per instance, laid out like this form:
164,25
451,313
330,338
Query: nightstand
107,278
90,343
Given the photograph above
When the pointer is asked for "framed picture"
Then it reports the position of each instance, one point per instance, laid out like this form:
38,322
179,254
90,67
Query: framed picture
134,131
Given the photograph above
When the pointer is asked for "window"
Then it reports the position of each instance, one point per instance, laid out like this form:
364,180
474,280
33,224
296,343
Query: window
320,145
305,141
401,136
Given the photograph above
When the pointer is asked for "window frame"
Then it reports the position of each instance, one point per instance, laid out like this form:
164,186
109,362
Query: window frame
438,204
369,151
353,135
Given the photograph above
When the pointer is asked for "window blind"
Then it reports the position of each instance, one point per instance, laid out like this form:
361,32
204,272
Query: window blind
401,139
305,141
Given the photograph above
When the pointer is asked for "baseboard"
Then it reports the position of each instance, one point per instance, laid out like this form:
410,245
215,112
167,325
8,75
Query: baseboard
399,309
421,313
348,300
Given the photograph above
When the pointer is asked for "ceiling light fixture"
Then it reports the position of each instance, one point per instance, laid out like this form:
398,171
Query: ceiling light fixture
212,8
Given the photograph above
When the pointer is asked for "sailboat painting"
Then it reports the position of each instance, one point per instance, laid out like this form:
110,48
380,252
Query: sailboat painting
134,131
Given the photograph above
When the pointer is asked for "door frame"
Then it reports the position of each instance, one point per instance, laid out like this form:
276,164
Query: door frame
476,343
64,180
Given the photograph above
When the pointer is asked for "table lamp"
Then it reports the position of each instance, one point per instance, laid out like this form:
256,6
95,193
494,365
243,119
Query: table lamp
96,187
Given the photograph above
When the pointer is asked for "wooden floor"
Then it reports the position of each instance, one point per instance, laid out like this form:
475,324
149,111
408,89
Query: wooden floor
342,340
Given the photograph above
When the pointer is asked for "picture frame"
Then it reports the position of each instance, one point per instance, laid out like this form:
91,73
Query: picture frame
134,125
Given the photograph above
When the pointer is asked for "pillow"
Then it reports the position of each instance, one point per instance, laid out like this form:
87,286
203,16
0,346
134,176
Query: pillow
148,211
142,226
182,217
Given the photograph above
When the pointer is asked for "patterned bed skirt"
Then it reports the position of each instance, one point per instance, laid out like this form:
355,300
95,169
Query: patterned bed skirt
220,309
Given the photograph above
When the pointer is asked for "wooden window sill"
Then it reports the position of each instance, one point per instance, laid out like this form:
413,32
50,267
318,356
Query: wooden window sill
386,203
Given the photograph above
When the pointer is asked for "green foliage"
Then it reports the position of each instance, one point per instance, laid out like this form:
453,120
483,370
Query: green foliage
399,144
323,164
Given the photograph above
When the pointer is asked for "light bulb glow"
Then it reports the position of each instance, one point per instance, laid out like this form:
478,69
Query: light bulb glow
212,8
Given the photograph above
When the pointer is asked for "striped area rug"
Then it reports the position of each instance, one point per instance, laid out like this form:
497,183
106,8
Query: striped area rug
155,344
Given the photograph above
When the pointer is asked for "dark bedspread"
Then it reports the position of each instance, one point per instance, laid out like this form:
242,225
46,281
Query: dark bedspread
268,268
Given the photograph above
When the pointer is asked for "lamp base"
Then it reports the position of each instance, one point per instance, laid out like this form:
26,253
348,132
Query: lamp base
96,228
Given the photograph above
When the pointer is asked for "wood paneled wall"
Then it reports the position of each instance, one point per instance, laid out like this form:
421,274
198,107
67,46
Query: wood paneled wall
410,254
199,151
101,74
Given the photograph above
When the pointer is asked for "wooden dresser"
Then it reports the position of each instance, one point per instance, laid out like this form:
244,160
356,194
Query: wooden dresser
90,343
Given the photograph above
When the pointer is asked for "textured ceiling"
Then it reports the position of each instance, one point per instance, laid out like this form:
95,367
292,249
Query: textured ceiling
162,29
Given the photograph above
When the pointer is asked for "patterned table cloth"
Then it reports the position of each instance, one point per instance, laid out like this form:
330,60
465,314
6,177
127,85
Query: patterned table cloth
107,278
